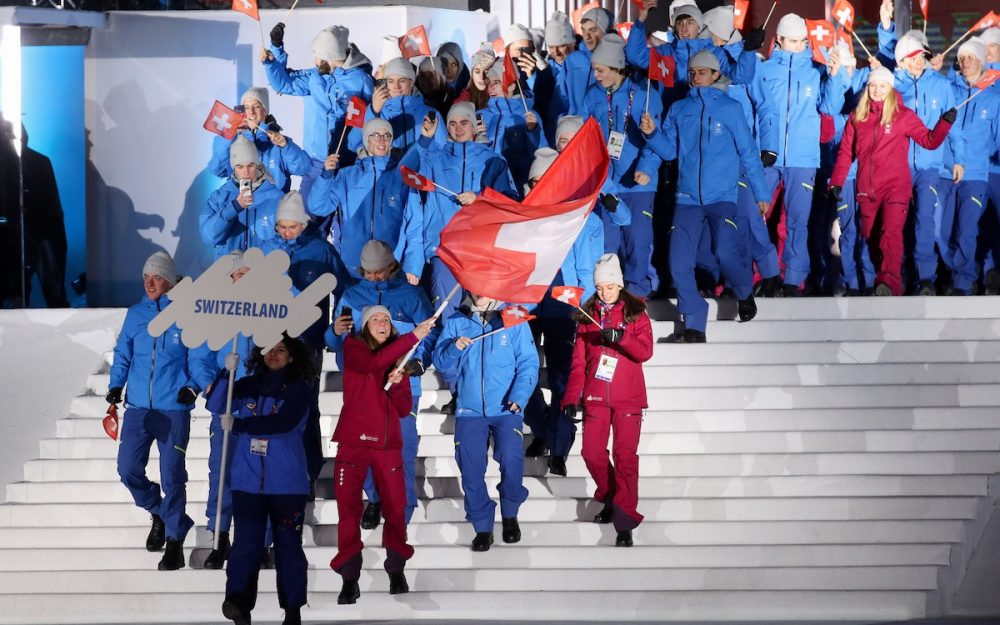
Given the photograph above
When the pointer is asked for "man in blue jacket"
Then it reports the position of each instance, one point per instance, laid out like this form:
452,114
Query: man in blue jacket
496,375
708,127
594,24
513,128
384,284
340,72
162,379
560,42
240,214
397,101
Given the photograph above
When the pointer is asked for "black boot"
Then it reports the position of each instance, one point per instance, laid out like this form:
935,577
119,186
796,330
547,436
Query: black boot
926,287
511,530
557,465
791,290
397,584
482,541
173,557
218,557
449,408
372,516
604,516
157,534
624,539
536,449
232,611
768,287
349,593
292,617
747,309
267,562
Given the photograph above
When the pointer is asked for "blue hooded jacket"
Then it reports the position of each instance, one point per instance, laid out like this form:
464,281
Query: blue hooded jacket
492,372
629,99
979,124
509,136
706,127
154,370
281,163
371,202
928,96
579,77
406,115
226,225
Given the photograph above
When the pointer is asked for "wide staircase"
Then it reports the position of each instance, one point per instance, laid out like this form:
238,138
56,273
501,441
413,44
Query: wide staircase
832,459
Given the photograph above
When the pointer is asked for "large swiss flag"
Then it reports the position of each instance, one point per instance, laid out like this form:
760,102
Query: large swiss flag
510,250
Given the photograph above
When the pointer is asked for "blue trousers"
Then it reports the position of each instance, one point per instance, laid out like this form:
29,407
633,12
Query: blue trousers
170,429
758,239
214,469
555,335
925,200
944,220
970,202
636,247
689,224
251,514
993,256
798,193
859,272
411,441
442,282
472,436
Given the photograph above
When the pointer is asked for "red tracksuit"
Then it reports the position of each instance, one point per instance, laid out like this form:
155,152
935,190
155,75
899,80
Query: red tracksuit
884,183
616,405
369,436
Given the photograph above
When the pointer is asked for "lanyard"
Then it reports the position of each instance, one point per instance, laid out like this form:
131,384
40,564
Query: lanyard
628,112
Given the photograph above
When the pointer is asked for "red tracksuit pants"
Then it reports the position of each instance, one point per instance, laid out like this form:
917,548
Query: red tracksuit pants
617,473
886,218
349,470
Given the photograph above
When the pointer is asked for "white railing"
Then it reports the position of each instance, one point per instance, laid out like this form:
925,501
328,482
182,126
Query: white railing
534,13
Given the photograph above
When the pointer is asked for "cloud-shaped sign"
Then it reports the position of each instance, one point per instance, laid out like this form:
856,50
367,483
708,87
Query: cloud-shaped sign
261,305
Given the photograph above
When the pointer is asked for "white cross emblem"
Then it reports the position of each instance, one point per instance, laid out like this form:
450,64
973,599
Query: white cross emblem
565,296
415,179
664,70
517,311
222,122
819,33
737,11
845,16
351,111
413,42
549,239
246,4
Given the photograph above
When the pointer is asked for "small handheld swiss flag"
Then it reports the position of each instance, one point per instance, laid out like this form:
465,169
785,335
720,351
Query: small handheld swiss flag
415,43
740,10
925,7
662,68
624,29
571,295
821,35
510,74
514,315
989,20
223,121
415,181
247,7
110,422
356,112
843,12
990,77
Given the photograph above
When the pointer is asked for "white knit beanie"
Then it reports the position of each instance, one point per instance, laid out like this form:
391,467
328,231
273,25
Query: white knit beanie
608,270
793,27
375,125
677,4
161,264
331,44
292,208
883,75
559,30
243,151
370,311
974,48
610,52
483,56
256,93
399,67
721,22
463,110
691,11
516,32
568,124
991,36
376,255
704,59
544,157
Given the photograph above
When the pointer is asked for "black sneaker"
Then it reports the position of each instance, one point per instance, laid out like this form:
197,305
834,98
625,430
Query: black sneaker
926,287
511,530
267,562
536,449
482,541
791,290
604,516
372,516
234,613
157,534
349,593
293,616
217,558
882,290
173,556
694,336
557,465
449,408
397,584
991,283
624,539
747,309
768,287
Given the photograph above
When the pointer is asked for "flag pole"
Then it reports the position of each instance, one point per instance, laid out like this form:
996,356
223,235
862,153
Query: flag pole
969,99
225,453
769,14
490,333
446,190
587,315
292,8
863,47
649,83
957,41
341,142
413,349
263,42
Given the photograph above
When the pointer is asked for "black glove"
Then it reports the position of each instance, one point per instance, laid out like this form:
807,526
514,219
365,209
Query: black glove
186,395
753,40
278,35
768,158
569,413
835,191
114,395
611,335
610,203
509,407
414,368
950,115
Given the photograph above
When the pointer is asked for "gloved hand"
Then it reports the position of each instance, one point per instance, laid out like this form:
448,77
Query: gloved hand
569,413
414,368
232,361
611,335
227,421
610,203
114,395
278,35
835,191
950,115
768,158
186,395
512,407
753,40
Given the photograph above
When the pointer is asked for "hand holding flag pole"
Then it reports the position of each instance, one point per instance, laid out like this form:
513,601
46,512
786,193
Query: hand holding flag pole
355,118
434,317
572,296
511,316
990,77
421,183
990,19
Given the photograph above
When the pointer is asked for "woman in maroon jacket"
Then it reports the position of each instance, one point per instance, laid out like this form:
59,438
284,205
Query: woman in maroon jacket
878,135
607,371
368,435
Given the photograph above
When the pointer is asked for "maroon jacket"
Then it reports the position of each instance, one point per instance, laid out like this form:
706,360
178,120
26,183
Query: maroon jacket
881,152
370,416
627,389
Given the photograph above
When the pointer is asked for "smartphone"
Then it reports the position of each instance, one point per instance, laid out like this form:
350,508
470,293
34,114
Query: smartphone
245,187
380,83
429,117
479,118
346,310
239,108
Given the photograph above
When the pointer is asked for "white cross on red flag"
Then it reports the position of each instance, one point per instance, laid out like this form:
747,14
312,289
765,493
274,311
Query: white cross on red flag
662,68
990,77
356,112
624,29
843,12
821,35
415,43
740,10
247,7
989,20
571,295
223,121
415,181
514,315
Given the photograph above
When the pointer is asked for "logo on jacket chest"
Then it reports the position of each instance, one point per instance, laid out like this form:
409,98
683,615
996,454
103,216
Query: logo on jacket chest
717,129
392,200
175,337
807,92
888,129
503,340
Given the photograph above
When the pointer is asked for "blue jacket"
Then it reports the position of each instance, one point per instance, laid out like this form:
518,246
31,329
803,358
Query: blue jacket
406,115
761,117
458,167
281,163
153,370
509,136
311,256
551,91
228,226
706,127
577,269
979,124
493,371
800,90
269,456
244,349
629,99
407,303
328,96
929,96
579,77
371,202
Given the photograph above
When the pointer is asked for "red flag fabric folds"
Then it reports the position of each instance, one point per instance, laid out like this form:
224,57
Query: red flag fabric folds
247,7
414,43
415,181
223,121
356,112
662,67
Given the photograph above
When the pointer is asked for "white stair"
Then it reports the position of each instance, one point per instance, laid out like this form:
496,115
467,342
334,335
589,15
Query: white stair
832,459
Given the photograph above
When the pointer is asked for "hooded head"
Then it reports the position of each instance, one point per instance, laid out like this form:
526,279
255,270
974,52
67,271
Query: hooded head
452,58
332,44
